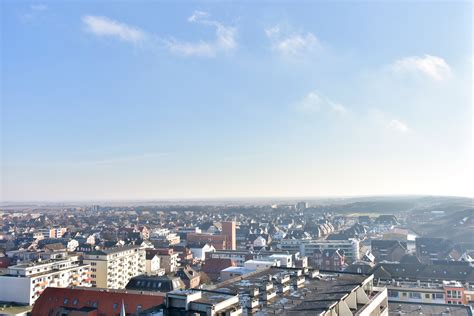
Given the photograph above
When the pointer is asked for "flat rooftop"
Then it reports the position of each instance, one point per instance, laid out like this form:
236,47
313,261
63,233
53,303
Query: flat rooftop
207,297
407,308
314,296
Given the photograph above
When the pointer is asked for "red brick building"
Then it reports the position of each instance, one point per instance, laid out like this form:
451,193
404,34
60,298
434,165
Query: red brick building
228,230
329,259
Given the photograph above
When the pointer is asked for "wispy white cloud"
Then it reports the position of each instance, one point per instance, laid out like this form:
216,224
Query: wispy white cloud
34,11
38,7
386,121
225,39
430,66
225,36
314,102
292,45
103,26
398,126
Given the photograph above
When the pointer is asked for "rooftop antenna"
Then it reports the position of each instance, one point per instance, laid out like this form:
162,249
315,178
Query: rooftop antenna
122,310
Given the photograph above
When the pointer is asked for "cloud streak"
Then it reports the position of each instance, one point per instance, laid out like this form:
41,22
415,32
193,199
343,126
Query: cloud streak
398,126
225,39
105,27
292,45
314,102
433,67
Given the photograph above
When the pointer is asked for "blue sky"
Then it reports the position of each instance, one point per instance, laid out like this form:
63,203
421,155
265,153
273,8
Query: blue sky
150,100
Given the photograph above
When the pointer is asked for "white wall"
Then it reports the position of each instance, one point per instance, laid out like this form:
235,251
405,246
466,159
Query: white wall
15,289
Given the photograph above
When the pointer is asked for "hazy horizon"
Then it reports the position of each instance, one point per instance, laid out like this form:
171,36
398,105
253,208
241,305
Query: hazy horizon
208,100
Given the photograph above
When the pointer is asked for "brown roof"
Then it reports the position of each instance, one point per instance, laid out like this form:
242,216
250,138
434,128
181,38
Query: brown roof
216,265
106,302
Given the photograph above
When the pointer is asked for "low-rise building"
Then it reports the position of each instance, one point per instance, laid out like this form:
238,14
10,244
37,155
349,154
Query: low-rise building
24,283
388,250
94,301
162,283
200,302
168,258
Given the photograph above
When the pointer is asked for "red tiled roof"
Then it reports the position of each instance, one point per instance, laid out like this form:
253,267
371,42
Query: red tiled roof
103,300
160,251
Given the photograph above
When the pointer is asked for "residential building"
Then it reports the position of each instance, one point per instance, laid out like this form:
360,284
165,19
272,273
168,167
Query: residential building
24,283
307,247
113,268
200,302
163,283
265,292
388,250
238,256
213,267
429,249
189,276
199,250
94,301
329,259
152,264
218,241
168,258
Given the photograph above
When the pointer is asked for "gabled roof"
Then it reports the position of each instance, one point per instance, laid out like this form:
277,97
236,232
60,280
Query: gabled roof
103,300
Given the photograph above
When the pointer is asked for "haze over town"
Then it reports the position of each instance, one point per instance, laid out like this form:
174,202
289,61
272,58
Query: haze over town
236,158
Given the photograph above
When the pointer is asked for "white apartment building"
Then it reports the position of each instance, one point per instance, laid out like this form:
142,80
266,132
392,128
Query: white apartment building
113,268
24,283
306,247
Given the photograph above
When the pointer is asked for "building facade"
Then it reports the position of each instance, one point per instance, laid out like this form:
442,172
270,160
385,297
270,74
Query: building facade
25,282
113,268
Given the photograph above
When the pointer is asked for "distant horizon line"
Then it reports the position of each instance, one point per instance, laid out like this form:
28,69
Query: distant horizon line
227,199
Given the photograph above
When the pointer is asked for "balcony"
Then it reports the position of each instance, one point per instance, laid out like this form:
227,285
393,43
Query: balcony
266,286
252,302
254,292
284,288
299,281
284,279
266,296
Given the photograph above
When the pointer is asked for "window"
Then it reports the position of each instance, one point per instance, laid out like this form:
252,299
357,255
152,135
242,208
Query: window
115,306
65,301
75,301
392,293
427,296
415,295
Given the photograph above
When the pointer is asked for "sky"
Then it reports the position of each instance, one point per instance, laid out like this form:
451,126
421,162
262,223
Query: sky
175,100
